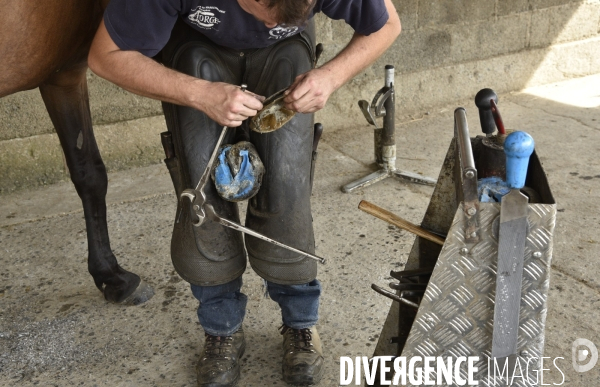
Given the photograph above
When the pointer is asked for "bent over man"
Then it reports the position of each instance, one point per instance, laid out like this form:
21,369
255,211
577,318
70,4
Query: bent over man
193,55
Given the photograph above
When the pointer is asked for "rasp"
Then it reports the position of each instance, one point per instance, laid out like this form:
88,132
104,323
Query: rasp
518,146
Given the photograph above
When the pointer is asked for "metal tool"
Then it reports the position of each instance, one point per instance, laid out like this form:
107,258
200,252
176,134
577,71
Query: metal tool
491,160
273,115
409,292
408,286
408,276
318,131
482,100
397,221
383,105
204,211
468,176
497,117
399,298
518,147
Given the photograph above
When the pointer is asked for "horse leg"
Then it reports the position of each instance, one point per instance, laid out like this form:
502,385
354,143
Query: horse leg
66,97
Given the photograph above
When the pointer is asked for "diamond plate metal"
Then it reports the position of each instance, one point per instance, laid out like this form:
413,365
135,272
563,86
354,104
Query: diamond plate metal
455,317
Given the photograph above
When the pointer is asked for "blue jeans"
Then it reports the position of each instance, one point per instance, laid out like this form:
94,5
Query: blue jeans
223,307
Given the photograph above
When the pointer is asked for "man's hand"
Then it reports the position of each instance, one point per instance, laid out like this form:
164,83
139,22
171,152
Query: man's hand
228,104
310,91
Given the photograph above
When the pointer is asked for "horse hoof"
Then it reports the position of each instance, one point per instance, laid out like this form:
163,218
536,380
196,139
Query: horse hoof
141,294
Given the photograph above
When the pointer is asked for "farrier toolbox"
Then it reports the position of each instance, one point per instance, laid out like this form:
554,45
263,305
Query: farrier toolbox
455,314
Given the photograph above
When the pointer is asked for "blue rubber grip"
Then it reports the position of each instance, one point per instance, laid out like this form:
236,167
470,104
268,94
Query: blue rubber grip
518,147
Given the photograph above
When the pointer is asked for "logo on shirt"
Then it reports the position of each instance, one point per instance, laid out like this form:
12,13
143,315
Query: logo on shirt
204,17
282,32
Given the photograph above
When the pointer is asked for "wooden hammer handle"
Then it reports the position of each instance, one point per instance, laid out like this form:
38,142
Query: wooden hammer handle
397,221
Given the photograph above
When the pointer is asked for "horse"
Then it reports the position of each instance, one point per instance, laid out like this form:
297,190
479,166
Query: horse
45,45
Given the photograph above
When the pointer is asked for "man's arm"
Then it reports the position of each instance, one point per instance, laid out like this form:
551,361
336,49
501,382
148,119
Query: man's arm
310,91
224,103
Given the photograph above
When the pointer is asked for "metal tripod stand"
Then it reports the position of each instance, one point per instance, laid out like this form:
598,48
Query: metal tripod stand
383,105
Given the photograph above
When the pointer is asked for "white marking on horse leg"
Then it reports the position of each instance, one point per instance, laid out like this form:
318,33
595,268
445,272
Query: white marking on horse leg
80,140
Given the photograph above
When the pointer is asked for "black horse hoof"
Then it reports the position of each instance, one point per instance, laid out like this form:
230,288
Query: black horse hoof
141,294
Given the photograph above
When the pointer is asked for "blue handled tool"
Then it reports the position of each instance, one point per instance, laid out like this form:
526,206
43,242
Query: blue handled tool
518,147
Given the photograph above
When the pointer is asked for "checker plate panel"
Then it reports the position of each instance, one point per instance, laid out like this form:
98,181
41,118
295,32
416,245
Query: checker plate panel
455,317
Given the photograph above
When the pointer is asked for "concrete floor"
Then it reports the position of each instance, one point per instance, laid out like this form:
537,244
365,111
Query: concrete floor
56,329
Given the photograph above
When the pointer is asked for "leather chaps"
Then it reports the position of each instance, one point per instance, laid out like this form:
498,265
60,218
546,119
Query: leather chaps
213,254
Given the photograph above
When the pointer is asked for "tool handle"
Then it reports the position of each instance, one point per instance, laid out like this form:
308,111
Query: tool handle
482,100
464,140
318,51
393,296
318,131
397,221
497,117
518,147
211,214
389,75
389,103
211,161
166,138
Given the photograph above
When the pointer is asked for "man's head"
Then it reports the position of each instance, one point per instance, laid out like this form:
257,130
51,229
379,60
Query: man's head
274,12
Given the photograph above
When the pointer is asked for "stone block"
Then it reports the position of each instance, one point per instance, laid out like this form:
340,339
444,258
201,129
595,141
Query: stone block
437,13
486,40
323,28
110,103
341,32
541,4
408,13
566,61
24,114
430,47
38,160
333,34
131,143
507,7
30,162
421,49
564,24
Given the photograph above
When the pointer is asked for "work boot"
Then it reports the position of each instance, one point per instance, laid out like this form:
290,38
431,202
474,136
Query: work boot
302,356
219,365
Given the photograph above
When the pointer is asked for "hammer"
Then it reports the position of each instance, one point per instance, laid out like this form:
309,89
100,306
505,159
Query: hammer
397,221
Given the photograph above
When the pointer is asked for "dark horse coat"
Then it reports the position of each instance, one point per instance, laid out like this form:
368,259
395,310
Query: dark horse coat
45,44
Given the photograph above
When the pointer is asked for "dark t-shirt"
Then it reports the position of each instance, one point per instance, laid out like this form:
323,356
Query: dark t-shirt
145,25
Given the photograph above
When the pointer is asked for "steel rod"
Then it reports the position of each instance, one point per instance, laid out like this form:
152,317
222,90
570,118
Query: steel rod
210,213
464,140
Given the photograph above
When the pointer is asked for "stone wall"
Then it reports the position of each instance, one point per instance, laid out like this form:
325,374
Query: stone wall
448,50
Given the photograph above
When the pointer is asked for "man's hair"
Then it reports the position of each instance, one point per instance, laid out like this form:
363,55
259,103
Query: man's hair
291,12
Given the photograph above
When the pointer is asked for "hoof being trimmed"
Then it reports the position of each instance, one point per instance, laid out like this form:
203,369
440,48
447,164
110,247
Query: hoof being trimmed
141,294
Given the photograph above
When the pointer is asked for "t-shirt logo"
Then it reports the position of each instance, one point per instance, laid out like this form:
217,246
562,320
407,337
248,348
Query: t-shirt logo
282,32
204,17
